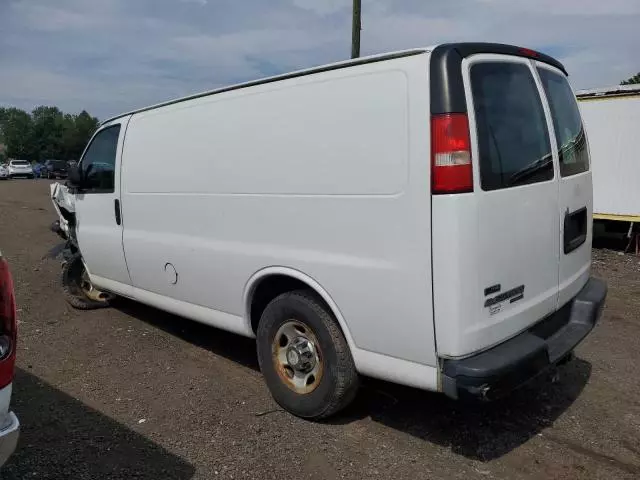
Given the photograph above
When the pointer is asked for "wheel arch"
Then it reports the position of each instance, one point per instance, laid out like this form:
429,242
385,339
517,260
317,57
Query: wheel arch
261,276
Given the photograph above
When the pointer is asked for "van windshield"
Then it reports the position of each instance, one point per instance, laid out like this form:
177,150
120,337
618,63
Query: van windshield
513,140
567,123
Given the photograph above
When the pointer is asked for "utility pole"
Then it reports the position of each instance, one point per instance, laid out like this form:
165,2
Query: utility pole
355,29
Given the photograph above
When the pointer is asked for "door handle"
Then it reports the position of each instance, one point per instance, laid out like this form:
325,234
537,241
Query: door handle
116,207
575,229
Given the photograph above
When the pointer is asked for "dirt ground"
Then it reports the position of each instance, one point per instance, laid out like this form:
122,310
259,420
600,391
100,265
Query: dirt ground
131,392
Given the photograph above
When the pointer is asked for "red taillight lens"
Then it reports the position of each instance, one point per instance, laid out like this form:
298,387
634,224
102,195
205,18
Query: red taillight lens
527,52
451,170
8,325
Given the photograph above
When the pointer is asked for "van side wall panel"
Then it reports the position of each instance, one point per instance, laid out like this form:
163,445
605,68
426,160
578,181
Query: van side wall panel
327,174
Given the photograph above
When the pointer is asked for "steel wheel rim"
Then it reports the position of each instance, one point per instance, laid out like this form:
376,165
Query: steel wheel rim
297,357
88,289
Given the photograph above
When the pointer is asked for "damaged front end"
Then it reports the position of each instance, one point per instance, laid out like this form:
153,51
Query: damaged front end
64,203
77,288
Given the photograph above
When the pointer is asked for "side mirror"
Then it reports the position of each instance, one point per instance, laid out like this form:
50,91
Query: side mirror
74,178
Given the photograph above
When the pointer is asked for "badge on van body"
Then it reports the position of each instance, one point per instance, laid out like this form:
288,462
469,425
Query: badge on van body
494,303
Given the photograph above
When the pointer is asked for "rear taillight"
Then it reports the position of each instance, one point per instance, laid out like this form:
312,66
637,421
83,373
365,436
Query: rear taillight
451,170
8,325
527,52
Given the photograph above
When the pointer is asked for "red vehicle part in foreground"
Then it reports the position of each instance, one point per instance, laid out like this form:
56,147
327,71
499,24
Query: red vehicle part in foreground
8,325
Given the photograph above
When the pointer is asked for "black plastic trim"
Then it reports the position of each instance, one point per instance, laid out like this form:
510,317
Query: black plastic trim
503,368
447,88
116,209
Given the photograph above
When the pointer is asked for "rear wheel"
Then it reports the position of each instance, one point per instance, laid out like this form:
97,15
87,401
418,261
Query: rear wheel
78,289
304,357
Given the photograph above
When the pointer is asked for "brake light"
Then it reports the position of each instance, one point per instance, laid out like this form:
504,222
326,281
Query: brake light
451,170
8,325
527,52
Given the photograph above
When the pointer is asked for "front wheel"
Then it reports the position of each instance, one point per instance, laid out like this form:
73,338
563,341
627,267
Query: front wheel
304,357
78,289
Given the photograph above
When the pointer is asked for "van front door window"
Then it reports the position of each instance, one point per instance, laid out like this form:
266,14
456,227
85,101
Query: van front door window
98,163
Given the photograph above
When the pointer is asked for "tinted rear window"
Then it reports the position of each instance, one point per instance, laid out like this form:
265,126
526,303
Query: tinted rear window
567,123
58,164
20,162
513,140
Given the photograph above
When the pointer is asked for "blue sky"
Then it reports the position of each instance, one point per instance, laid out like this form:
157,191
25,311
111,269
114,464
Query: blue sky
109,56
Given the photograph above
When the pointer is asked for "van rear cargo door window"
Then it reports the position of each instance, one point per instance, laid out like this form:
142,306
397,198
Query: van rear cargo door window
99,162
567,123
513,141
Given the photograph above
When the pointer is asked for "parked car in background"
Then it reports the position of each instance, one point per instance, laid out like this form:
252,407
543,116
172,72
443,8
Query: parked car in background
20,168
4,172
9,425
55,169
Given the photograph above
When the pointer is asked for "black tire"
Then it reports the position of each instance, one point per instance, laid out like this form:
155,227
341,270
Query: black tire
339,381
74,294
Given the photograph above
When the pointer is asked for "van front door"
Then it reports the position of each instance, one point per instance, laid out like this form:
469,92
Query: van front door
98,210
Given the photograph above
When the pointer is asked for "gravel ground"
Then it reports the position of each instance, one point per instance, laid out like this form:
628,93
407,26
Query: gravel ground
132,392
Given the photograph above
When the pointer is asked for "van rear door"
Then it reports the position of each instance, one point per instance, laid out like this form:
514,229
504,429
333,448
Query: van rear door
517,197
575,187
496,250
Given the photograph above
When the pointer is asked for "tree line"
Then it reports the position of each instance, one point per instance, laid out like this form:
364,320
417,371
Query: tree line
45,133
631,80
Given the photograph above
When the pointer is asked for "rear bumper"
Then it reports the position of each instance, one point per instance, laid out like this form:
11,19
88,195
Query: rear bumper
503,368
9,437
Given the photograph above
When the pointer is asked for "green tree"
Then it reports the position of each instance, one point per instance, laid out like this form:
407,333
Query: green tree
17,131
48,129
3,114
84,125
46,133
632,80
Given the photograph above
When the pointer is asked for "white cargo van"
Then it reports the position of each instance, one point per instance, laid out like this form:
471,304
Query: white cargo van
422,217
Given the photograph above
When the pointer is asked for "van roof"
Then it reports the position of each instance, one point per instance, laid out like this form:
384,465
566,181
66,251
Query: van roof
446,55
284,76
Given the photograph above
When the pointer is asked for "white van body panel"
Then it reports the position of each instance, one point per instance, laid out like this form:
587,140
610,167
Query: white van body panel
279,177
